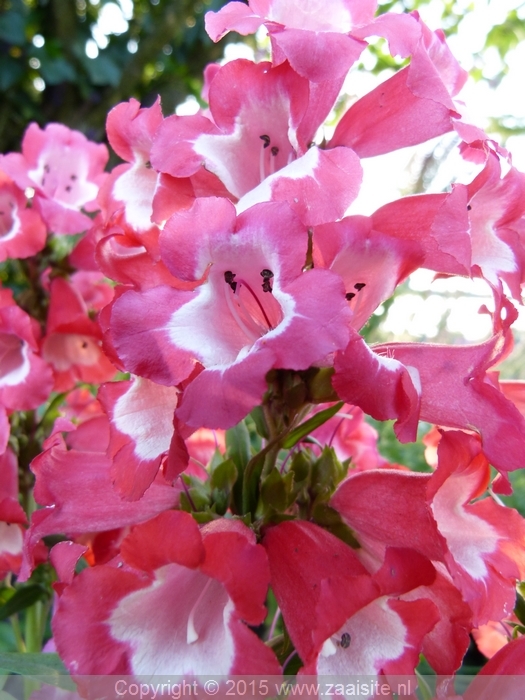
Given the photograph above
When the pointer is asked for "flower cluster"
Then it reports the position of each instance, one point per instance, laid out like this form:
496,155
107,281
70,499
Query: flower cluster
241,289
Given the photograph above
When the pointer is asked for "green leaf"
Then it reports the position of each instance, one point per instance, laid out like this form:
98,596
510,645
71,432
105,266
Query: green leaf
277,491
103,71
197,496
519,609
48,666
11,71
327,473
310,425
257,415
12,28
250,483
330,520
222,480
22,599
57,70
238,445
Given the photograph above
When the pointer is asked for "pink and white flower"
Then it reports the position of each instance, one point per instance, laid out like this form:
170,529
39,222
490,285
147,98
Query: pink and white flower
64,169
178,606
73,342
22,231
315,37
257,143
25,379
254,310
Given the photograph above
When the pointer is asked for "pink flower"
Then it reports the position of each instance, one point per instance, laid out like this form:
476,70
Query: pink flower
141,431
73,341
12,516
502,676
25,379
74,487
352,438
179,606
315,37
480,543
131,187
22,231
341,619
496,208
254,310
64,169
257,143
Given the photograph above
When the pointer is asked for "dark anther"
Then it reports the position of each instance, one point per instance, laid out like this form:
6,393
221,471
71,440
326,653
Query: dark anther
274,150
84,344
68,188
229,278
46,168
350,295
267,276
147,164
266,140
72,177
345,640
469,207
359,286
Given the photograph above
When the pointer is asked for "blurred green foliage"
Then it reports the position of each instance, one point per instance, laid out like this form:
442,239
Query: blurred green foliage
47,76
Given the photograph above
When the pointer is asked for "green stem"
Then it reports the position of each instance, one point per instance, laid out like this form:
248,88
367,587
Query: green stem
34,628
19,640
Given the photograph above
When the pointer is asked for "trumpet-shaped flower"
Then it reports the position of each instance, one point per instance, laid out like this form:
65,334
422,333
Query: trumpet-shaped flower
315,36
64,169
178,605
22,231
254,310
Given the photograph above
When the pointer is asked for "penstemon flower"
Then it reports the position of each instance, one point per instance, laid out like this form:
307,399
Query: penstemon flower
228,471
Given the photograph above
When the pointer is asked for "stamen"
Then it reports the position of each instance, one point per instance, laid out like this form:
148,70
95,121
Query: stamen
261,307
191,633
229,277
274,150
266,140
349,295
262,174
267,276
234,312
345,640
359,286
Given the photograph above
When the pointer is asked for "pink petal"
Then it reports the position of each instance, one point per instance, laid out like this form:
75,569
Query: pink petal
233,17
380,385
390,117
404,519
456,393
303,185
318,56
141,425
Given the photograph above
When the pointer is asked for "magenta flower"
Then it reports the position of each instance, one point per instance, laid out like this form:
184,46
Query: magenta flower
258,143
22,231
25,379
315,37
254,310
64,169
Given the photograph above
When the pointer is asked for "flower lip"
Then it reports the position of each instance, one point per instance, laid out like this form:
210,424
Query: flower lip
231,312
9,219
15,363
